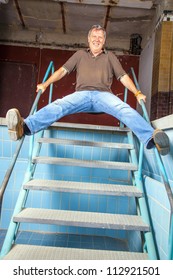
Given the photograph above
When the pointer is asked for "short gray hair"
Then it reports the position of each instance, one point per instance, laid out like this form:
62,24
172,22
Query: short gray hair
97,27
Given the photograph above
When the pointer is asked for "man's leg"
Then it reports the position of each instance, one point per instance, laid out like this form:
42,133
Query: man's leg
111,104
70,104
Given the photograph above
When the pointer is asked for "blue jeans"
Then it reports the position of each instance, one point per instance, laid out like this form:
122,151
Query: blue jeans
91,101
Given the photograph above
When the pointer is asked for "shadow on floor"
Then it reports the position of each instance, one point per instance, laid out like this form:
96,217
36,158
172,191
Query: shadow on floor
67,240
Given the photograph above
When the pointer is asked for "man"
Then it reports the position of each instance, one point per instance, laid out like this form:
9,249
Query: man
95,69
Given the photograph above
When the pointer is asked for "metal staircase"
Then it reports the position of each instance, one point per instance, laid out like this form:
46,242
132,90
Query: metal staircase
122,161
110,221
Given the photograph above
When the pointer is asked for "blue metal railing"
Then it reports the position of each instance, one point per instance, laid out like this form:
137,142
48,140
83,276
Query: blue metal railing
162,171
149,237
34,149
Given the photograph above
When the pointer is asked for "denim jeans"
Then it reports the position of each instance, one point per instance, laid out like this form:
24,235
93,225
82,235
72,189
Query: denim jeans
91,101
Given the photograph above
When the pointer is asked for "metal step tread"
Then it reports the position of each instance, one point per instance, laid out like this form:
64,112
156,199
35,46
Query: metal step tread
85,163
89,127
83,187
32,252
86,143
81,219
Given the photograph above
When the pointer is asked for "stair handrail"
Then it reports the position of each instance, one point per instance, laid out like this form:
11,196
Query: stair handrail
20,142
13,227
162,170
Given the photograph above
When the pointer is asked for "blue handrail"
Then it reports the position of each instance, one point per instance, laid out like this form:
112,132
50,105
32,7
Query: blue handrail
150,242
12,229
163,173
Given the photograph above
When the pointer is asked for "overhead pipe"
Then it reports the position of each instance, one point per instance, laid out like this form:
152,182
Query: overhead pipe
4,1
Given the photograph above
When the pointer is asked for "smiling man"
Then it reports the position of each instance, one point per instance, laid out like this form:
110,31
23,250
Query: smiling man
95,69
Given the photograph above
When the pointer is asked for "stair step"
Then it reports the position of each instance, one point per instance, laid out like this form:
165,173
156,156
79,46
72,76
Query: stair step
32,252
85,143
85,163
77,126
82,187
81,219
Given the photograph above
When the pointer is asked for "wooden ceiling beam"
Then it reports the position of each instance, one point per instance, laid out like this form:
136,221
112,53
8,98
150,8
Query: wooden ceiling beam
63,17
107,17
130,19
19,13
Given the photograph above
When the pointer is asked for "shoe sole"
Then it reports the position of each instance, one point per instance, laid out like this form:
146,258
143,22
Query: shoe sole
161,141
13,123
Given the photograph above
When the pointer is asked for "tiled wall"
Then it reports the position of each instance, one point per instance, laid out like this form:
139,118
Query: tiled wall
7,149
157,196
165,82
161,104
162,82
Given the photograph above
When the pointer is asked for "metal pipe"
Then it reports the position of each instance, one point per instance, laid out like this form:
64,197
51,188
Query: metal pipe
125,100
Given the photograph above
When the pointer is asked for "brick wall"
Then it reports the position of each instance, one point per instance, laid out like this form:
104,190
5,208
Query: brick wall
162,83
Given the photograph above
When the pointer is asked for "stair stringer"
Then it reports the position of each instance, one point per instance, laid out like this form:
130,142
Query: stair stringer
149,241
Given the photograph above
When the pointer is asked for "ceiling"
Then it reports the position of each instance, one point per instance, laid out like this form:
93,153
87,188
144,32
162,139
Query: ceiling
65,24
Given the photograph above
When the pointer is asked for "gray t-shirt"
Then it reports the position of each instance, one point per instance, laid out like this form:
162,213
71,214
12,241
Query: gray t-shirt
94,73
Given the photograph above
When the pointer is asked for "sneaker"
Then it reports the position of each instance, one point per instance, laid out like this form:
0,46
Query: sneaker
161,141
14,124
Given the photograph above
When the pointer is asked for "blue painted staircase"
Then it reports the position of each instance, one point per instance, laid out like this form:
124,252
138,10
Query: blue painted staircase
116,159
91,161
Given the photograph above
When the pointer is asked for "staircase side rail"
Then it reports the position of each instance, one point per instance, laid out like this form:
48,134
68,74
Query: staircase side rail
20,143
125,100
36,150
22,195
148,236
163,173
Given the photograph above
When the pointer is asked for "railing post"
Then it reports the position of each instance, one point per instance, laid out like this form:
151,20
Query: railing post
125,100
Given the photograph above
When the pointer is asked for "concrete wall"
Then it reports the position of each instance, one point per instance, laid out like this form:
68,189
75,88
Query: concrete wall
146,72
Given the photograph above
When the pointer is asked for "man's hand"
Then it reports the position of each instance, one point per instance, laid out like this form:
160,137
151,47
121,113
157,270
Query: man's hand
128,83
41,87
140,97
56,76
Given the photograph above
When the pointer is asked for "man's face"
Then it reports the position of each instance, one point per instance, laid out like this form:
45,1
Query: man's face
96,41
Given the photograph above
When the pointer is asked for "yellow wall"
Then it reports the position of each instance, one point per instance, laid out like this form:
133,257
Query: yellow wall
165,81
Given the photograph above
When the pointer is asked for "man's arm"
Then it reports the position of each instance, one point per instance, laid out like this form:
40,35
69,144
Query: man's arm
128,83
56,76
